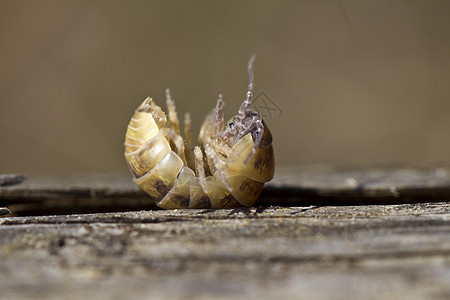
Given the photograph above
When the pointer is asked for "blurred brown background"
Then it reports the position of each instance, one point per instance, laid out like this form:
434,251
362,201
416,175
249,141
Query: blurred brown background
359,82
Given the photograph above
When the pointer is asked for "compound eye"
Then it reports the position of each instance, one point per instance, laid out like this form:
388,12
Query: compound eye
232,123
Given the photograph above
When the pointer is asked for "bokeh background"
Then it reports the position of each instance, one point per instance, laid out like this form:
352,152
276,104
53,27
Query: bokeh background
359,82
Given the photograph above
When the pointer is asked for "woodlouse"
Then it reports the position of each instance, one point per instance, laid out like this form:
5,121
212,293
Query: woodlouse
231,162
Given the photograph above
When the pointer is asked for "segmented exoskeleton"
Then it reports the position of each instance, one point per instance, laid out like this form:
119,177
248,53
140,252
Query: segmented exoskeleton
231,163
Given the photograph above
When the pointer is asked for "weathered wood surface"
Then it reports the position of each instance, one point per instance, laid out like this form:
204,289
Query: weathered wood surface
301,250
300,186
9,179
359,252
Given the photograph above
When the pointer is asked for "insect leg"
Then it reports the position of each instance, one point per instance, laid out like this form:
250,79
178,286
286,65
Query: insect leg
173,118
248,100
188,130
199,167
216,164
256,128
177,141
218,112
188,140
214,161
207,129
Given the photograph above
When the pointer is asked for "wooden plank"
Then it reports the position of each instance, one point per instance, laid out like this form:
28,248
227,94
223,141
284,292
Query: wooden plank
339,252
300,186
9,179
370,185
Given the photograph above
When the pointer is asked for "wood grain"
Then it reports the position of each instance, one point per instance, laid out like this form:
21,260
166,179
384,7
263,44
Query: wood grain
313,245
376,252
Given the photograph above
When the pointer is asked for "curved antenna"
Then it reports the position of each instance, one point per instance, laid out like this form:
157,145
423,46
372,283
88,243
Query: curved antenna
248,100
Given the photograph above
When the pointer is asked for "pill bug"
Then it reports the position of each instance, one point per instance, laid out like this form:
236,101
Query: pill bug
228,168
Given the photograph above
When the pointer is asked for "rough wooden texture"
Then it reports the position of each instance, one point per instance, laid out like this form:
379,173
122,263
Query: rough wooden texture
326,185
365,252
300,186
74,194
9,179
301,250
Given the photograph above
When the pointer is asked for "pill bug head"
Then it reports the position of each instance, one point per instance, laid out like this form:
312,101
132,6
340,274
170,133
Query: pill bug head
235,129
247,121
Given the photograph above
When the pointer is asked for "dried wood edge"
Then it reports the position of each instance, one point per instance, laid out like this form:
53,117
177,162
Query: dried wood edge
10,179
405,213
81,205
86,193
4,211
